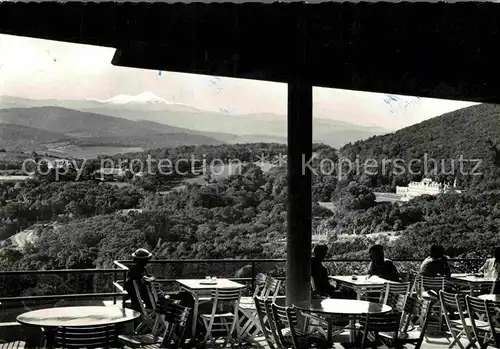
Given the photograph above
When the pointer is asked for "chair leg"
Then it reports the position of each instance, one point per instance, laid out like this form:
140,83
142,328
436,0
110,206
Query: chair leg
456,339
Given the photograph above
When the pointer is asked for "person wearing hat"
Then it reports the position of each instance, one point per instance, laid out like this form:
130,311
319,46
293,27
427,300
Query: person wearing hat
138,272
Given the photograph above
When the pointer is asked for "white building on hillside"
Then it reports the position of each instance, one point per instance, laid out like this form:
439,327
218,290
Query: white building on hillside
426,186
59,163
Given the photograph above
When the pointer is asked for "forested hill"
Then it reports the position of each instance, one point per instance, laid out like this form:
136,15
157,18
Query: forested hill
472,132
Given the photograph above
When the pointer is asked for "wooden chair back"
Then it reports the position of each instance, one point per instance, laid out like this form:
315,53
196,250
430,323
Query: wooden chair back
260,281
268,303
221,299
152,299
393,289
387,323
293,322
397,302
281,321
416,318
271,288
156,291
176,318
477,309
452,303
264,320
372,293
426,283
86,337
492,310
168,328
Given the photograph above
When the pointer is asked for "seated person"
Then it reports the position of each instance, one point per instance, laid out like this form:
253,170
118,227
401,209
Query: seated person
138,272
380,266
319,275
491,269
436,264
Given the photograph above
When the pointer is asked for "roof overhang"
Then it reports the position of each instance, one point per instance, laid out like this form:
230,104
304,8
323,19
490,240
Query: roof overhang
429,50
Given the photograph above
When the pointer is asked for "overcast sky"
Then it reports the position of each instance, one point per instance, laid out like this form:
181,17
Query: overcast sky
42,69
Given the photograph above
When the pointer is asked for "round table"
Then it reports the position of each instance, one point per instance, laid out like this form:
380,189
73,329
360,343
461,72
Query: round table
347,307
52,318
490,297
343,307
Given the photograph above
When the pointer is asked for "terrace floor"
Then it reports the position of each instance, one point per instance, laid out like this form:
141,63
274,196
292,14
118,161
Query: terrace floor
257,343
441,342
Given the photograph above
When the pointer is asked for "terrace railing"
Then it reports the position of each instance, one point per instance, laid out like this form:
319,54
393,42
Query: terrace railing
16,279
168,270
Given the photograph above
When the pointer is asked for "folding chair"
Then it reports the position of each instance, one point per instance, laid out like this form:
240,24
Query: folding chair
104,336
428,288
174,316
260,281
249,321
273,326
288,333
388,324
493,322
482,314
392,290
221,321
455,303
148,315
371,293
265,322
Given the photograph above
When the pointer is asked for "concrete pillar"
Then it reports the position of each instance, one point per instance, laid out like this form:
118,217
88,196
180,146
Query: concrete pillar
298,266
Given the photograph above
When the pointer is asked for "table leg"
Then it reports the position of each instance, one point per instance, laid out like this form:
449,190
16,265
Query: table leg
50,337
329,334
195,314
352,332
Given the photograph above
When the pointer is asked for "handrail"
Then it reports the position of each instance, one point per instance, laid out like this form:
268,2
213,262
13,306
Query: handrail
248,261
120,265
253,262
57,271
120,288
63,296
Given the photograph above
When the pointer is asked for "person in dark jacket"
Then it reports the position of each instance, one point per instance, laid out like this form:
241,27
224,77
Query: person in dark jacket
319,275
436,264
381,266
138,272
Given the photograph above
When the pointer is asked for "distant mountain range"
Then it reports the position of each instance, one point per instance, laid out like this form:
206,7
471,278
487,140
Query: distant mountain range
149,121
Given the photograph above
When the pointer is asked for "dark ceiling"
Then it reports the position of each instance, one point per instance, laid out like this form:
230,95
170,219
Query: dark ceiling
431,50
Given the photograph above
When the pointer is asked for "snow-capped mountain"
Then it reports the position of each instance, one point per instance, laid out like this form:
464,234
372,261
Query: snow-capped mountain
400,104
142,98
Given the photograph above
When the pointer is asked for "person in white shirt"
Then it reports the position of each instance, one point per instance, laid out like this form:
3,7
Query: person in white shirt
491,268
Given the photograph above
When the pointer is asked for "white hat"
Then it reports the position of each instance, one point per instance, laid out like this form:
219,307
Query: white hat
142,253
